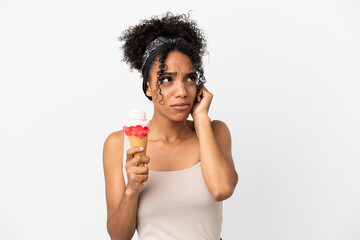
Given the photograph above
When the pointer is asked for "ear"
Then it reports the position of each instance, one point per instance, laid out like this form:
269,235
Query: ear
148,89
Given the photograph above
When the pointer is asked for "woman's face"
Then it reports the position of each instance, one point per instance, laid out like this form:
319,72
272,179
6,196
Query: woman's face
178,88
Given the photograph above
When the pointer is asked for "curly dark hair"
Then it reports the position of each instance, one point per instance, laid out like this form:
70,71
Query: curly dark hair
137,38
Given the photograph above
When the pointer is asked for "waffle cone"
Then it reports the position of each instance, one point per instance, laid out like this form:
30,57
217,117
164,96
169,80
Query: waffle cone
139,142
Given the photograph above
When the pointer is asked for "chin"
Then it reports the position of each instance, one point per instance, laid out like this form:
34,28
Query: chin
180,117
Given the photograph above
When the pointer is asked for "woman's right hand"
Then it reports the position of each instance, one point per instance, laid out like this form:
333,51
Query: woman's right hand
136,175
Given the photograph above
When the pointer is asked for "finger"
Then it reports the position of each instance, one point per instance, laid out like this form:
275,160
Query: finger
205,90
140,159
141,170
135,179
206,93
133,171
131,151
142,178
138,178
146,177
144,159
135,161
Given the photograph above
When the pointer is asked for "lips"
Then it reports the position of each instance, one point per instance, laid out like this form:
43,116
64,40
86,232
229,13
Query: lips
180,106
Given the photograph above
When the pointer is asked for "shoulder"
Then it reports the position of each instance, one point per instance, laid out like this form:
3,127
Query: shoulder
113,158
115,138
219,127
221,131
114,146
216,125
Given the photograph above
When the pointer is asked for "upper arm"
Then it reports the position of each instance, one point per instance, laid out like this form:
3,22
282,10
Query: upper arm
223,137
113,171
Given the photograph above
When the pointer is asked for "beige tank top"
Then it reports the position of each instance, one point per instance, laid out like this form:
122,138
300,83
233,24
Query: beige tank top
178,205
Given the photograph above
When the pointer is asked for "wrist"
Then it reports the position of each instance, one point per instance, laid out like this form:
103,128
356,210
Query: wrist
202,118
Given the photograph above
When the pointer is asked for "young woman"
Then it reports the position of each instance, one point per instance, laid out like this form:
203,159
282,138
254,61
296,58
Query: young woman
189,168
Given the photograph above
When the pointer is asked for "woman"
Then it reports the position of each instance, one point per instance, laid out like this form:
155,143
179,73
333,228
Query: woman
188,168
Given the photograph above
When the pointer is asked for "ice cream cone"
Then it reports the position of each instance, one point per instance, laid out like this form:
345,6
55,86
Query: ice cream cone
136,128
139,142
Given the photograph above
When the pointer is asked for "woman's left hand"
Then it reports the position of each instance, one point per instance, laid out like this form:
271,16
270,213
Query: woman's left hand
202,107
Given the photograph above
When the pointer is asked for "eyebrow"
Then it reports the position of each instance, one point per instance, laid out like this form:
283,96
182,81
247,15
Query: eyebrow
174,73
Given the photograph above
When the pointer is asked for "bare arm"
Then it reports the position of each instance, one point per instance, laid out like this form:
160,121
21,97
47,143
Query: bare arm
215,151
216,161
121,200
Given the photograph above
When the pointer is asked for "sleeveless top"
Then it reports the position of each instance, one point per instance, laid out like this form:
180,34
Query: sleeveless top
178,205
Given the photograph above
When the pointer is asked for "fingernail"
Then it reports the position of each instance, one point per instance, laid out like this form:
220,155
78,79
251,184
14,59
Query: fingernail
141,148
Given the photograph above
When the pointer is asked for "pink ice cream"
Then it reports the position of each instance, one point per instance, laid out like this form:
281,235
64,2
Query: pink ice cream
136,124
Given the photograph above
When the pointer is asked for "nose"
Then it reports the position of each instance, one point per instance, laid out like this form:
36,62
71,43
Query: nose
181,90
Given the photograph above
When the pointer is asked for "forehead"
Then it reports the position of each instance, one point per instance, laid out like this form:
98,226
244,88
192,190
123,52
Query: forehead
177,61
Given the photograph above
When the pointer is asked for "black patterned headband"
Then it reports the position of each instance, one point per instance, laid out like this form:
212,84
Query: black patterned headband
151,51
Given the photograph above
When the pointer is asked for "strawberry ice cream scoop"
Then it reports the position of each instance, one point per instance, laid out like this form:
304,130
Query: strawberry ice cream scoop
136,124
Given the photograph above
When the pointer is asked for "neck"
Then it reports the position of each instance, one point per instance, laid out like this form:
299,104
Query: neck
166,130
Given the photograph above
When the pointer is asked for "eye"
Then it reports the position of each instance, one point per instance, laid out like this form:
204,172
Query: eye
192,79
166,79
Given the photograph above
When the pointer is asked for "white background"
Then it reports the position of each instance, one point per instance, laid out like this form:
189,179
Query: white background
285,78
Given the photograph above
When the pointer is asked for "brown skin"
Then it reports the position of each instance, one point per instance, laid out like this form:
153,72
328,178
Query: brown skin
173,137
170,134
